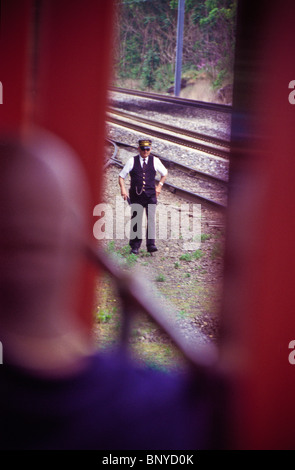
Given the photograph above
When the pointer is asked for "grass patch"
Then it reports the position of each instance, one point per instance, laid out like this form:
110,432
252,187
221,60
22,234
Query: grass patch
123,254
186,257
205,236
191,256
104,315
197,254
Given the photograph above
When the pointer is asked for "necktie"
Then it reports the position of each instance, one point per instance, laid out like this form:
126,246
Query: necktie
144,167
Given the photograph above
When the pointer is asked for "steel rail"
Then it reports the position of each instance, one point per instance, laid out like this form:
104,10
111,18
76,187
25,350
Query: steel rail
176,130
223,155
223,108
194,197
115,153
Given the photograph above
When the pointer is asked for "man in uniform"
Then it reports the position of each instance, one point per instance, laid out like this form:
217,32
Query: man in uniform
143,193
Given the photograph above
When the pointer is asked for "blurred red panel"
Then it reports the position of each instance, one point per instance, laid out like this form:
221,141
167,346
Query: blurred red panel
259,303
16,16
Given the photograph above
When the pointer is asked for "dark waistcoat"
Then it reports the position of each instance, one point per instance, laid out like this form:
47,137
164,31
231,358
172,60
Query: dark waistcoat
143,181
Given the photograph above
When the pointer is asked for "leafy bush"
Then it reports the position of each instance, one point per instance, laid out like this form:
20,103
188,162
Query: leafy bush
146,34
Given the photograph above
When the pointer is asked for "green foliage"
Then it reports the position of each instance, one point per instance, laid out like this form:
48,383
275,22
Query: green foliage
186,257
122,253
150,63
111,246
173,4
104,315
217,25
182,313
191,256
146,38
205,236
197,254
164,77
131,259
217,83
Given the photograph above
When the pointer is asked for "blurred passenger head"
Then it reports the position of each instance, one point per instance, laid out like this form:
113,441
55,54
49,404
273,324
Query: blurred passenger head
43,225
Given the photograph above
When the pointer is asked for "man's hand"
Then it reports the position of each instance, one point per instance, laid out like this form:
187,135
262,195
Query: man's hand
160,185
124,195
123,189
158,190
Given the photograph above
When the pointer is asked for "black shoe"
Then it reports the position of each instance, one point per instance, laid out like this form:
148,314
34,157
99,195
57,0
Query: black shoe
152,248
134,251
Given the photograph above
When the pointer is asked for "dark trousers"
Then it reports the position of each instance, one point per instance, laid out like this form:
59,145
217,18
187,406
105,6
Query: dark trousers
139,205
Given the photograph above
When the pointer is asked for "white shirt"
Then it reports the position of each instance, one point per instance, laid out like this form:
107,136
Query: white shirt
158,166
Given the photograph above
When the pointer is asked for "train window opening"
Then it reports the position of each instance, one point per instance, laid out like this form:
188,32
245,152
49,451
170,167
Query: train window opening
185,275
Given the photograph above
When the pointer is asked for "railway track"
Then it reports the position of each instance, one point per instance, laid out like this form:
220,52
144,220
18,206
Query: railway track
175,100
175,188
194,135
131,122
